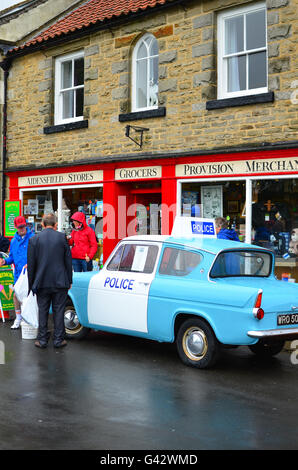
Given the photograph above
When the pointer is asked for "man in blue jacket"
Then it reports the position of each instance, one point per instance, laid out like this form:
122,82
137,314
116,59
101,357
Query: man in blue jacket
18,257
223,232
229,262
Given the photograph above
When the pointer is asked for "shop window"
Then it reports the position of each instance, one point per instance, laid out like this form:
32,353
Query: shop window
177,262
69,88
88,200
275,217
145,74
242,51
36,204
220,199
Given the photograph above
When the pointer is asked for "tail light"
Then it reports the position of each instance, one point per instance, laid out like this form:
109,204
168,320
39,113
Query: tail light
257,310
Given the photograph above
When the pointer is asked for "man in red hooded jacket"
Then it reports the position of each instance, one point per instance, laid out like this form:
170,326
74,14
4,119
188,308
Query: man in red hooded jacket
83,242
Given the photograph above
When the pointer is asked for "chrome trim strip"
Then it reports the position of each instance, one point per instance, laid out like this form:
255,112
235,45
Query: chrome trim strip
272,333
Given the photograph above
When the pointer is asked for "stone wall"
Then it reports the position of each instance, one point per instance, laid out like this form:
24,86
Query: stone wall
187,79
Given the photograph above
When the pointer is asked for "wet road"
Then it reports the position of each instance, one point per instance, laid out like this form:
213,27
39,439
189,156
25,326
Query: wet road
117,392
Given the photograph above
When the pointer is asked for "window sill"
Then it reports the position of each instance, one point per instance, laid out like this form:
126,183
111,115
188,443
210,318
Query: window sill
70,126
151,113
240,101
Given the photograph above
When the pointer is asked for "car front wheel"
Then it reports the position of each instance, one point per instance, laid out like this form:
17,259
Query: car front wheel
196,344
267,349
73,327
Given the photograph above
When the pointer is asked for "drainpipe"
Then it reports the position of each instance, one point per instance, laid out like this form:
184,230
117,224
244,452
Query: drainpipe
5,65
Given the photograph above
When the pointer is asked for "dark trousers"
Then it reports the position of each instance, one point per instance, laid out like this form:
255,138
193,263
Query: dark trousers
81,265
56,297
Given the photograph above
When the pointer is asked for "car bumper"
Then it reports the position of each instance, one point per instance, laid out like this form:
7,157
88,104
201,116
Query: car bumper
284,333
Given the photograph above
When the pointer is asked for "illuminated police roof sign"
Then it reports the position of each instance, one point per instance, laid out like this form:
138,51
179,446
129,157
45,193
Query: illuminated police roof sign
190,227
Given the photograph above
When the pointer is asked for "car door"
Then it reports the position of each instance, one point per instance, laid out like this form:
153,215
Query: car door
118,294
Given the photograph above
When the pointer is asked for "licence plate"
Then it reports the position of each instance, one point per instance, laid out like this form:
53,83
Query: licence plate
287,319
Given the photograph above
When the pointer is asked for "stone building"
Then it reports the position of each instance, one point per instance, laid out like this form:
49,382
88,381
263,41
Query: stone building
135,111
17,24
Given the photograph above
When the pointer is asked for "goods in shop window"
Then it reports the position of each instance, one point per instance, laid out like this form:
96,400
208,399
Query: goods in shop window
293,245
48,207
32,207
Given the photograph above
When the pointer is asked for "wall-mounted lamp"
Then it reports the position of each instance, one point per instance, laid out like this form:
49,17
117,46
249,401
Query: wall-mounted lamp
136,129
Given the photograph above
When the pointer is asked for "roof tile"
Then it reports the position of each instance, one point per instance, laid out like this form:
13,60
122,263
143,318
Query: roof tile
90,13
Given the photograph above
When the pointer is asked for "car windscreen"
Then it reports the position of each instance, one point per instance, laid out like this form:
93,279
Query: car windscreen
242,263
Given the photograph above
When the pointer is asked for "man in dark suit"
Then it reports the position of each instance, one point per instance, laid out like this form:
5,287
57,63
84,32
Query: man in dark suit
50,277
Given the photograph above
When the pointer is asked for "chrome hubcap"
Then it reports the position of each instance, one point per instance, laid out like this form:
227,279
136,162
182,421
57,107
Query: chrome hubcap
195,343
71,320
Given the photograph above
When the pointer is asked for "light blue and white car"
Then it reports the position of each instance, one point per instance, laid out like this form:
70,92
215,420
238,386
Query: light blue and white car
202,293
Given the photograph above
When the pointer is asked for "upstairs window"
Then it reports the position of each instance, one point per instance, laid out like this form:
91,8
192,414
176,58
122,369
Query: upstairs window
242,51
69,88
145,74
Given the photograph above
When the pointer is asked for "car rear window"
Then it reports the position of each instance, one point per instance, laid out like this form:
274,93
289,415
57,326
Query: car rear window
242,263
177,262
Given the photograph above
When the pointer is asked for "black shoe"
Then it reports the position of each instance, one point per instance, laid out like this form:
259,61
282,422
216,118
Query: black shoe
61,345
40,345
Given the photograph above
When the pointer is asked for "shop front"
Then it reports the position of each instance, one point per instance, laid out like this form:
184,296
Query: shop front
257,192
258,195
61,193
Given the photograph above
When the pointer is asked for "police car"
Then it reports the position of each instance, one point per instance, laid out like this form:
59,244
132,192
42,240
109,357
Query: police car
196,290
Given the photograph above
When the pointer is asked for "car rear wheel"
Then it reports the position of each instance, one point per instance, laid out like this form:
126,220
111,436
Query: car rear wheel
196,344
73,327
267,349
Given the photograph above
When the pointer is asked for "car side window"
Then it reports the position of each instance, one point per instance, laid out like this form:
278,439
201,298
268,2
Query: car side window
177,262
134,258
115,261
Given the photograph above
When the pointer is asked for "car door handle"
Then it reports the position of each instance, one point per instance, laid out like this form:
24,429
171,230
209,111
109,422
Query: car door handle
144,283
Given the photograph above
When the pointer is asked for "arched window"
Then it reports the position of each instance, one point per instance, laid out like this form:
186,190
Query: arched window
145,74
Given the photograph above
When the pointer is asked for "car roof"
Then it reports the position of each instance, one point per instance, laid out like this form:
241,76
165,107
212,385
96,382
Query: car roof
212,245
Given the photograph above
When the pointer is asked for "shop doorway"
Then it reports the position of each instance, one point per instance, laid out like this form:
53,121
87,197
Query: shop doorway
147,202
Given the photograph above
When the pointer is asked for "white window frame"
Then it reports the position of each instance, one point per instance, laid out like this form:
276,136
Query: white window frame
221,59
134,74
58,94
59,197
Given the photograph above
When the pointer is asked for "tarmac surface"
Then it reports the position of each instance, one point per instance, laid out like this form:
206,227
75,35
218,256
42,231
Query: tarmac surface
118,392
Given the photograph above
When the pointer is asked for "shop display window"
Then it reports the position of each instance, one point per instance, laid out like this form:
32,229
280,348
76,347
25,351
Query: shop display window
87,200
90,202
275,216
35,204
216,199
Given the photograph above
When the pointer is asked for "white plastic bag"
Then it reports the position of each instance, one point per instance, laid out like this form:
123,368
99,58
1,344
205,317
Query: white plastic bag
30,310
21,286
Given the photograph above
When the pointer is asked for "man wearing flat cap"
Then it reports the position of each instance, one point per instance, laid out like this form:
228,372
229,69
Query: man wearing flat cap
18,257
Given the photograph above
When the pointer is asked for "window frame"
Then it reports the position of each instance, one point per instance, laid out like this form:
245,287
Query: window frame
240,250
222,82
58,89
137,46
135,244
180,250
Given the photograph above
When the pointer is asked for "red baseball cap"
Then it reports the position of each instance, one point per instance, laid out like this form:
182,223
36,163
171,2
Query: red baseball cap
20,220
